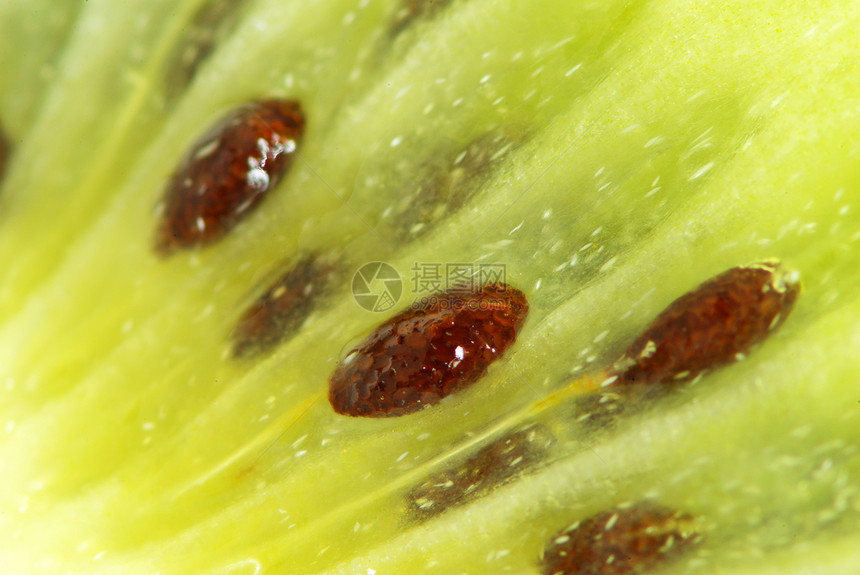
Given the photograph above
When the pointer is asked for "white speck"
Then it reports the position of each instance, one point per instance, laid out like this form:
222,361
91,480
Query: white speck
402,92
147,426
601,336
609,381
612,520
653,191
530,95
537,72
702,171
844,209
201,225
126,327
498,101
516,228
98,556
778,100
567,40
402,456
396,141
586,246
299,441
574,259
600,171
561,540
429,108
653,141
457,102
838,195
371,571
537,284
517,56
547,214
695,96
423,437
604,186
608,264
629,129
485,79
486,55
301,453
572,70
560,267
597,231
10,426
459,352
348,18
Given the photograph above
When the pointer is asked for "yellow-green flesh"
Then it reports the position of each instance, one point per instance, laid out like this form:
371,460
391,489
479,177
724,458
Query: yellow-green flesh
657,144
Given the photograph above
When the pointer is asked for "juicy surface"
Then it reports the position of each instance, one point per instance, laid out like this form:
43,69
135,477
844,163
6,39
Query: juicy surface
656,144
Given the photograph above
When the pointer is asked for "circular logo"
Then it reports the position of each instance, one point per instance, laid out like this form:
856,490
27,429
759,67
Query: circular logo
377,286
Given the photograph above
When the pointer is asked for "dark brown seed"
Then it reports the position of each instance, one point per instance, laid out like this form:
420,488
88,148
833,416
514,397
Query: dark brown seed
714,324
488,468
620,542
4,151
213,21
412,10
283,308
422,355
228,172
446,183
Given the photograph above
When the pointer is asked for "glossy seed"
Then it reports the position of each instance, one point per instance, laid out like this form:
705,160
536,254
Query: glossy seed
422,355
490,467
622,541
227,173
714,324
279,312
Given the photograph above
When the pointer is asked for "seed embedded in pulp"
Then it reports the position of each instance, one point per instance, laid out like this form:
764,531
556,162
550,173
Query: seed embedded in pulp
284,307
227,173
422,355
490,467
712,325
622,541
4,151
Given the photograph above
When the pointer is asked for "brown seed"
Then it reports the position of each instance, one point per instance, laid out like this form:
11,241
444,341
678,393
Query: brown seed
445,183
281,310
710,326
422,355
228,172
4,151
412,10
490,467
214,20
620,542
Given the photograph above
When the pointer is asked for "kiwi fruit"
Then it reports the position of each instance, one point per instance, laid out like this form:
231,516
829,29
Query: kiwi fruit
606,158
